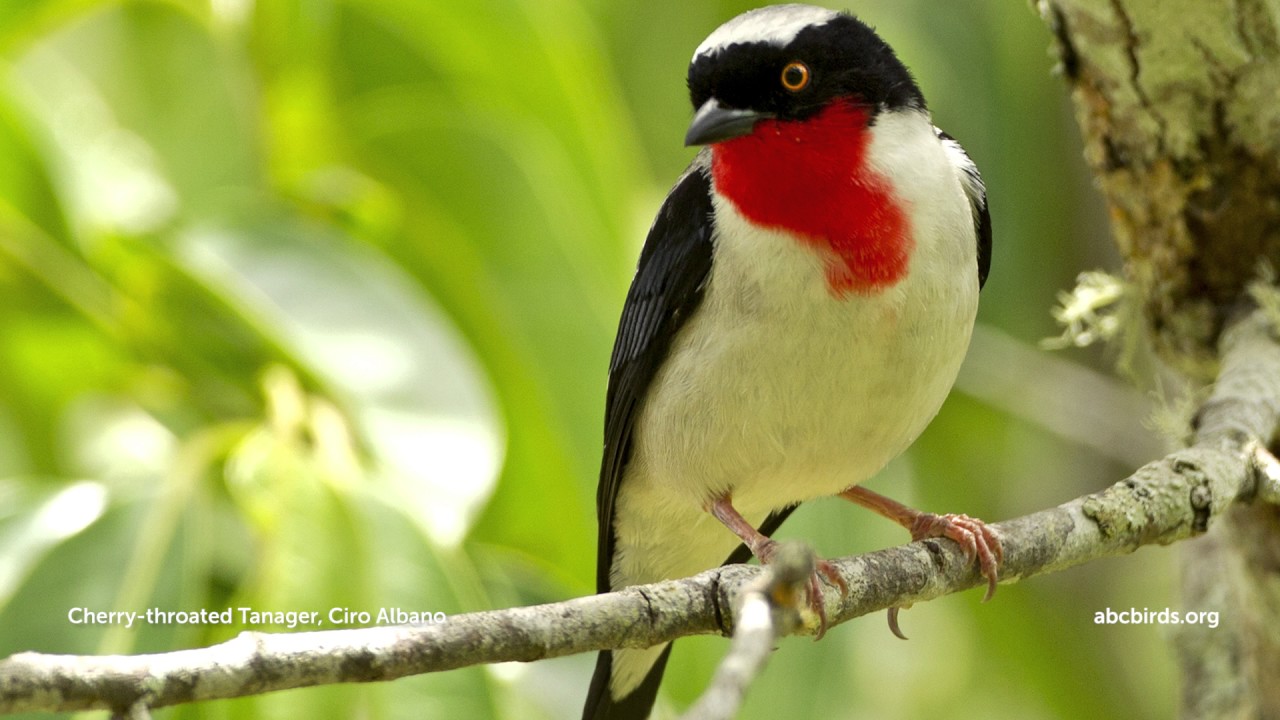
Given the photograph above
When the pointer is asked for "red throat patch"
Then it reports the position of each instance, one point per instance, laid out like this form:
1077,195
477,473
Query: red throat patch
810,177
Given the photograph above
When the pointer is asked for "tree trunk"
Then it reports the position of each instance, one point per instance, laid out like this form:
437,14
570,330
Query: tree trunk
1179,104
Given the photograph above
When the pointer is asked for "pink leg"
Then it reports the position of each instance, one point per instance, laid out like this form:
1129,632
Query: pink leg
976,538
764,548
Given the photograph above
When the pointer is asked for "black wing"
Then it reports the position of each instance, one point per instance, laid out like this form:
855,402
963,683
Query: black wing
668,285
976,190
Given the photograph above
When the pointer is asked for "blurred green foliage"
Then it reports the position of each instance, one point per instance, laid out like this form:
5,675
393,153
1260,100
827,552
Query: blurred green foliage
307,304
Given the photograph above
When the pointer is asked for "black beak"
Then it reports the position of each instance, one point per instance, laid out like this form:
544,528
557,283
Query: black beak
714,122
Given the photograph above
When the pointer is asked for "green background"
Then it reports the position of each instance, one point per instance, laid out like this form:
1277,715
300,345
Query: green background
308,304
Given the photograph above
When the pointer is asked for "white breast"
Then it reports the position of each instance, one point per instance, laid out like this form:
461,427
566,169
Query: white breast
778,391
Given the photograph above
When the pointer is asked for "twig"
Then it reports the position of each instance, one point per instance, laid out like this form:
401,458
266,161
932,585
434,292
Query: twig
767,611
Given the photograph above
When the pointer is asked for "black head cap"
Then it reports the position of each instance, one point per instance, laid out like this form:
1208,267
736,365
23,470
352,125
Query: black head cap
742,64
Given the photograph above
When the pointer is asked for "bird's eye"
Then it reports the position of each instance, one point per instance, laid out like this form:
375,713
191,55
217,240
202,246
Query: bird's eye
795,76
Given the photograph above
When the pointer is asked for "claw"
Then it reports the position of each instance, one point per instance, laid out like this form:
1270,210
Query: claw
828,573
893,623
817,606
977,540
832,576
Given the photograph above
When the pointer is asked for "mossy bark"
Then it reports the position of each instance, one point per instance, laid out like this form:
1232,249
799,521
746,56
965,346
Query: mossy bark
1179,105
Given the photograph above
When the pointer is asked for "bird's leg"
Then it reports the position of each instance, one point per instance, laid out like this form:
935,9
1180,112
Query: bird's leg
975,538
764,547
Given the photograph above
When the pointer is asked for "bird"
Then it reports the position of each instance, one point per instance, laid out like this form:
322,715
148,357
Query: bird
799,312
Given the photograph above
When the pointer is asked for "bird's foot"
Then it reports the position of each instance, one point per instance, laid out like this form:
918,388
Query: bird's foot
976,539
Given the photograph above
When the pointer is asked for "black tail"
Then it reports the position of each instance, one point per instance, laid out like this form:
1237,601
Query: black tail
601,705
636,706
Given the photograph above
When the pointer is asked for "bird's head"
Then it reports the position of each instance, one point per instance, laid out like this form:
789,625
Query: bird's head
789,64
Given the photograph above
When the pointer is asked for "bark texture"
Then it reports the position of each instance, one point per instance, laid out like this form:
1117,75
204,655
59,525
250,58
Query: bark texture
1179,104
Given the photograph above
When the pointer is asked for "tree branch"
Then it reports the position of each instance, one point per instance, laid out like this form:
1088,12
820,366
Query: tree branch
1229,671
1170,499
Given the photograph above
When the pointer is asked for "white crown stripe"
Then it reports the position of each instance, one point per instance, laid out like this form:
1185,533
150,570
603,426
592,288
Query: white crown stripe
777,25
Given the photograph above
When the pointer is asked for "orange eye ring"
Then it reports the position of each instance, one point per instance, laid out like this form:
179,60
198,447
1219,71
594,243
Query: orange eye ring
795,76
